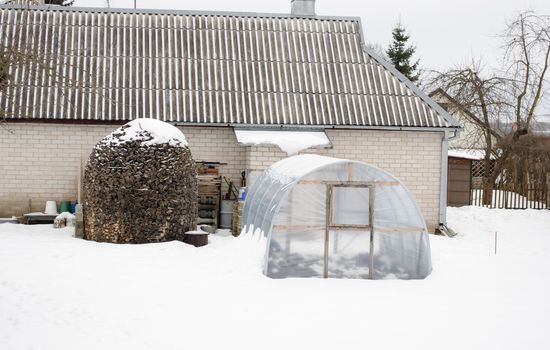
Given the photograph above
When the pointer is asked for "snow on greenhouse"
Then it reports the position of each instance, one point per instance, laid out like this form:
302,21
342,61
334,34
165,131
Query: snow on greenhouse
329,217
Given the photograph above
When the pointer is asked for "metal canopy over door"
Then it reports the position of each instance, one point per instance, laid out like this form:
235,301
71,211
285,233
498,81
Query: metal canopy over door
349,229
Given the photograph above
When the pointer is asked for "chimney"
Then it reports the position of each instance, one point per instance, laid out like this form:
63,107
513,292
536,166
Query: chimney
302,7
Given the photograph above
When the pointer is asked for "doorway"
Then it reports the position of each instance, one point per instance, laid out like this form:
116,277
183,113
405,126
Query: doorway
349,229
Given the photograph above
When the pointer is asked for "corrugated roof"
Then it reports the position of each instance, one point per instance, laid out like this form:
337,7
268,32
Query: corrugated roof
215,68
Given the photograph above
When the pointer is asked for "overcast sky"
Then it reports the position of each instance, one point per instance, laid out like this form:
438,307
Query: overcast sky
445,32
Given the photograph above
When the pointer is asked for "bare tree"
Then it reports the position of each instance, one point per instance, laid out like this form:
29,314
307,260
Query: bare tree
12,57
482,94
17,54
511,93
526,44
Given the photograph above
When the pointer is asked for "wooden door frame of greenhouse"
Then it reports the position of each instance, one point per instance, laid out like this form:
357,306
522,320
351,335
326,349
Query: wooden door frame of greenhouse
335,227
329,225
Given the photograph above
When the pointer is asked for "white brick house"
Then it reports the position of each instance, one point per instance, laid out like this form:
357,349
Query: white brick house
208,73
472,136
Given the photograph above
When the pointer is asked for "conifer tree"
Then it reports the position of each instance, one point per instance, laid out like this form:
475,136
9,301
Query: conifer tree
400,53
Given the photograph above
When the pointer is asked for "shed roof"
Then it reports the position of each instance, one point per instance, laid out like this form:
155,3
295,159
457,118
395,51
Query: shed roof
204,68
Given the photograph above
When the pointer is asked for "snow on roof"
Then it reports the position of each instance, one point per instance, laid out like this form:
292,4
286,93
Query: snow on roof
474,154
290,142
150,131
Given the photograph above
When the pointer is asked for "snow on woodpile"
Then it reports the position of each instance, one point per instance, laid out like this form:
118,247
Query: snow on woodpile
149,132
140,185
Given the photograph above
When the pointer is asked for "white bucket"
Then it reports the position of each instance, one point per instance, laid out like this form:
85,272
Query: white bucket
51,208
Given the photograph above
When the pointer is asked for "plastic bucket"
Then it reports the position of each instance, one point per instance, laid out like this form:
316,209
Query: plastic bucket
242,194
226,213
64,206
51,208
225,220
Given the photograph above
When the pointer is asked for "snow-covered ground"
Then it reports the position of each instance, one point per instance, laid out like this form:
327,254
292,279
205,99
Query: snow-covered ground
59,292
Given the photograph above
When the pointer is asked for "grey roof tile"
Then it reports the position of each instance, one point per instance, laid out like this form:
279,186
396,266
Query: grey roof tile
191,67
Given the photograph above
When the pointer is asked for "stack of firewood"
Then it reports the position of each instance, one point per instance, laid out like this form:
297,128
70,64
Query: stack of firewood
139,193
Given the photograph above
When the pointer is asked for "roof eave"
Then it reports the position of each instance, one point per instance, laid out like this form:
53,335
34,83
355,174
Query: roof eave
325,127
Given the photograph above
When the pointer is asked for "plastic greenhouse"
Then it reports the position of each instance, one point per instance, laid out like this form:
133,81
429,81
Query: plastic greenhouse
328,217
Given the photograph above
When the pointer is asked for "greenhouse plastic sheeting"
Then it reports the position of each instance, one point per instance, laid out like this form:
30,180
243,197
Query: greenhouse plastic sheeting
324,217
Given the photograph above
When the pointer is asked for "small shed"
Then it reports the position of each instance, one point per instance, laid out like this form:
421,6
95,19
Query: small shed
459,177
329,217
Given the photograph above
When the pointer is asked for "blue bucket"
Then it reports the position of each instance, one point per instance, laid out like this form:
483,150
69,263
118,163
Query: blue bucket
242,194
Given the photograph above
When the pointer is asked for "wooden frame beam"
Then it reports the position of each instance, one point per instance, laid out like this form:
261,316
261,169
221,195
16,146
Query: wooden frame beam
297,228
301,228
399,229
349,183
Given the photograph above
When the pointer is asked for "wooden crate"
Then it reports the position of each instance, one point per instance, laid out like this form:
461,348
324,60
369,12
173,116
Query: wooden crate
209,196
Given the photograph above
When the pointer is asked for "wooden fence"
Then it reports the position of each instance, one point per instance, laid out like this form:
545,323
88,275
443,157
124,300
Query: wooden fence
506,197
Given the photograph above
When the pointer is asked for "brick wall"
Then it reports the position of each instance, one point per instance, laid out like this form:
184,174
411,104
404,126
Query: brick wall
213,144
413,157
39,162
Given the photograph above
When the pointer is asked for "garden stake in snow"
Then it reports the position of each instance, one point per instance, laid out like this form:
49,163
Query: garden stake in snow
495,242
